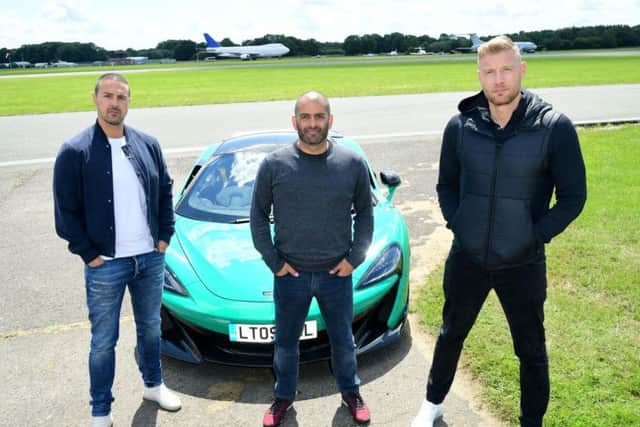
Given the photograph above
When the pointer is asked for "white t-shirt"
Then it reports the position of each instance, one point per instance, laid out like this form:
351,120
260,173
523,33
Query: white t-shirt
129,205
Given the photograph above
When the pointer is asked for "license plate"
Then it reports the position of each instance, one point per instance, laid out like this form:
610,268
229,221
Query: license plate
266,333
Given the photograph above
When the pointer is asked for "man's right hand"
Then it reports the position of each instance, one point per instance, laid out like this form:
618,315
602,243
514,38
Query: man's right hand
96,262
287,269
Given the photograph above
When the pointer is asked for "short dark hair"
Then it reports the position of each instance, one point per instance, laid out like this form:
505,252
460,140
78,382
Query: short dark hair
313,95
111,76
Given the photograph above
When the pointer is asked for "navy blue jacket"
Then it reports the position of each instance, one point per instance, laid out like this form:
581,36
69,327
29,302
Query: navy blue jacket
495,185
83,190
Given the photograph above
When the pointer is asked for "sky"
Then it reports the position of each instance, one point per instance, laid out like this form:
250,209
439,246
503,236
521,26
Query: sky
139,24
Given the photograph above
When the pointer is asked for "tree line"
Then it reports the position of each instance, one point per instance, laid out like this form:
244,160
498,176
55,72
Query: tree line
594,37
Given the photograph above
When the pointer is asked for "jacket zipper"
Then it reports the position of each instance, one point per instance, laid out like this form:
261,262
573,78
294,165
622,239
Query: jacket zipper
492,207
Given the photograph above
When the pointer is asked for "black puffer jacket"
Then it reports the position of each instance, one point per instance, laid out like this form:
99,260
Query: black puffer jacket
495,185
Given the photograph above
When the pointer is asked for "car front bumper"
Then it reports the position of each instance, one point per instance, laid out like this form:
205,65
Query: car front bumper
190,343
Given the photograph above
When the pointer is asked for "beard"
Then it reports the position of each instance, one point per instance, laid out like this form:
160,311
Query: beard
507,98
114,117
319,137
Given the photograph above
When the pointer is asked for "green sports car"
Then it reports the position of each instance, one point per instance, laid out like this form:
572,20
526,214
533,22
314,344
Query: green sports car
217,303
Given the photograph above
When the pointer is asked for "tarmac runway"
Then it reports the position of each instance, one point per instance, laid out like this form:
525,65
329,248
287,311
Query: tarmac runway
44,334
33,139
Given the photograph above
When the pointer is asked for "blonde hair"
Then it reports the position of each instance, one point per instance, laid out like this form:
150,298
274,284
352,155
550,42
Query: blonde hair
496,45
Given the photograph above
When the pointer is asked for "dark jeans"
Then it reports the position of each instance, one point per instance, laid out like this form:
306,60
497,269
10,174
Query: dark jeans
292,296
522,292
144,275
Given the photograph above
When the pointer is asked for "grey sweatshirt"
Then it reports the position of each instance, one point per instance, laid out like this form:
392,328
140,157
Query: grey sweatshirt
312,197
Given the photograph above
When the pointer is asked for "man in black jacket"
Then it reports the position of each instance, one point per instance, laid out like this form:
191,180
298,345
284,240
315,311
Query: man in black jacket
113,204
502,158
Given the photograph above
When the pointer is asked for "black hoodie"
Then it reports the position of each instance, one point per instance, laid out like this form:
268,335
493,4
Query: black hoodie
495,185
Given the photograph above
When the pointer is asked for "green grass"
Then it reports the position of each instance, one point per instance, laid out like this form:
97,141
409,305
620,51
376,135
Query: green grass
306,59
593,305
212,86
235,62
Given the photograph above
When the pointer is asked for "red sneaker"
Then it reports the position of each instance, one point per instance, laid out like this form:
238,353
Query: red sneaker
276,412
359,410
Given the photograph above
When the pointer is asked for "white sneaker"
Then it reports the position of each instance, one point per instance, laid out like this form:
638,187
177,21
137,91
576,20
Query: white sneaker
102,421
164,397
429,412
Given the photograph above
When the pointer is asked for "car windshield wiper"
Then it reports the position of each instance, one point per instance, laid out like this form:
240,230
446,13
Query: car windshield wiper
246,220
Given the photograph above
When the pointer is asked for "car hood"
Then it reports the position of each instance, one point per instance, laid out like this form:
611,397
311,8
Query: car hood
223,257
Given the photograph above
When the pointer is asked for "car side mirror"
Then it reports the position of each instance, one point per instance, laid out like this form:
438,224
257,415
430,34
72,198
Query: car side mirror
391,180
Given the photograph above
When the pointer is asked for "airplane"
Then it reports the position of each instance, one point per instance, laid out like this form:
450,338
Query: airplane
522,46
63,64
270,50
420,51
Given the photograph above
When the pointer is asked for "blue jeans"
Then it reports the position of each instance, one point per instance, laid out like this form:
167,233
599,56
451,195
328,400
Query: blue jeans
292,296
105,284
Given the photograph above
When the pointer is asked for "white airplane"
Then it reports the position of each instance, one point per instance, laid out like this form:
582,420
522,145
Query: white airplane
63,64
523,46
420,51
270,50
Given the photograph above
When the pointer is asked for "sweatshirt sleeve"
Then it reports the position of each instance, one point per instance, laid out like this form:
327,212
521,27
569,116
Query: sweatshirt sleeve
567,170
68,204
448,186
363,219
259,218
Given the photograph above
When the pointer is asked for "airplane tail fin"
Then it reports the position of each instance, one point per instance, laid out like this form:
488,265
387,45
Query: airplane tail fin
210,41
475,40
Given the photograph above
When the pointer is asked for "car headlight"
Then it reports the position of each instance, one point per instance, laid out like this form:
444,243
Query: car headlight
388,263
172,283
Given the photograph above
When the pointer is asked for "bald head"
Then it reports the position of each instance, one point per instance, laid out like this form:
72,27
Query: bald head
312,96
312,120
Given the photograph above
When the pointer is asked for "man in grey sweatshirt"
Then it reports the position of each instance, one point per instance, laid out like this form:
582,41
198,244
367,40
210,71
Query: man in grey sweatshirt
312,186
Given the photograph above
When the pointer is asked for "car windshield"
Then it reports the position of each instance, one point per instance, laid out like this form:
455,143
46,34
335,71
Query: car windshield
223,188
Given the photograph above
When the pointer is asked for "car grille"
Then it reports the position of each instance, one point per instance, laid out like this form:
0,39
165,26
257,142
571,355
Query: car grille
215,347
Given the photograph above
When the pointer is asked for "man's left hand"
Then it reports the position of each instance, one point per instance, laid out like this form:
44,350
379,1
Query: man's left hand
162,246
343,269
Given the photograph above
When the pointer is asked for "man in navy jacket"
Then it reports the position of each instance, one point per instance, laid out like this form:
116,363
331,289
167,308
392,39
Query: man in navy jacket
113,204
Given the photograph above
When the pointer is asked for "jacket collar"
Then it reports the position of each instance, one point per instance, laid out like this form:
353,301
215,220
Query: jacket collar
528,114
100,136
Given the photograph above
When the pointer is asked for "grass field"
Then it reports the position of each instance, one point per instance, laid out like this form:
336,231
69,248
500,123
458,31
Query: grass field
593,305
212,86
319,59
237,62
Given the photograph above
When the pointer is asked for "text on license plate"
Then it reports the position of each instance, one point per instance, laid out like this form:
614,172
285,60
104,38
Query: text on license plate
266,333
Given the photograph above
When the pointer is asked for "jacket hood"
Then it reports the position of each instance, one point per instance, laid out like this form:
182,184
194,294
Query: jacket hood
529,112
